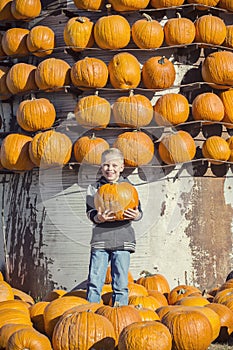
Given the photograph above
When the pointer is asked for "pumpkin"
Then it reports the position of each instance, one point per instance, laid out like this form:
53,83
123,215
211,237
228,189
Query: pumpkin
158,73
5,10
165,3
15,305
54,310
14,316
54,294
193,300
217,69
116,197
229,36
210,30
1,276
222,295
14,41
147,334
119,316
180,292
230,144
35,114
147,33
78,33
226,4
83,331
89,73
22,296
154,281
112,32
7,330
4,91
52,73
207,106
89,149
83,307
41,41
227,100
215,147
50,148
190,329
210,3
226,318
136,289
179,31
146,313
136,146
21,78
214,319
93,111
146,301
25,9
89,4
28,338
171,109
15,153
128,5
108,277
132,111
37,315
124,71
177,147
158,295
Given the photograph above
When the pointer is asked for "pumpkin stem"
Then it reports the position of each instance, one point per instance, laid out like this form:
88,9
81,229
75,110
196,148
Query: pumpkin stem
116,304
181,291
93,136
138,306
146,273
161,60
96,93
33,96
80,19
149,19
178,15
109,7
131,93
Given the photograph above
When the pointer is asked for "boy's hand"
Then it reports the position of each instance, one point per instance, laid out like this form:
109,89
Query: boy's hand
107,215
131,214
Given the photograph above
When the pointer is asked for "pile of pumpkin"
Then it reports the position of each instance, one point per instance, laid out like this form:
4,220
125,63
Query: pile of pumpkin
156,317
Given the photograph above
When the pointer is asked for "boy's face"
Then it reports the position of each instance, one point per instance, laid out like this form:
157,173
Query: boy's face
111,168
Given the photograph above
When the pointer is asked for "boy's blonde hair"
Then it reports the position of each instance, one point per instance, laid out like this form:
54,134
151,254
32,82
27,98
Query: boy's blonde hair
114,153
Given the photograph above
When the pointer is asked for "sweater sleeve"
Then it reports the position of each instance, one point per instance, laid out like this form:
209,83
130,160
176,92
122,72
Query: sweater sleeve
90,206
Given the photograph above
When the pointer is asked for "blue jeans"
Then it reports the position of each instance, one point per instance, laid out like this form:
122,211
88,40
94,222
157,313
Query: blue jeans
119,261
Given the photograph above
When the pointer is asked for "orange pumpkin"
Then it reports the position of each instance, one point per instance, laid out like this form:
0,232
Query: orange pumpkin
116,197
21,78
226,4
6,292
89,4
204,2
132,111
112,32
210,30
217,69
14,41
89,149
229,36
84,330
146,313
147,33
124,71
4,91
15,152
25,9
171,109
78,33
154,281
35,114
165,3
136,146
215,147
28,338
207,106
23,296
230,144
152,333
147,301
158,73
7,330
227,100
52,73
93,111
36,314
5,10
128,5
179,31
226,319
41,41
50,148
177,147
89,73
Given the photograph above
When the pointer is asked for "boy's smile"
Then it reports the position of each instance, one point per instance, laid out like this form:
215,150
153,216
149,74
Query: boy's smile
111,169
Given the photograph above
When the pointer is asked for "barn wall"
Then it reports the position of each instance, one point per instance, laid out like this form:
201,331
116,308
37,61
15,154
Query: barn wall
186,230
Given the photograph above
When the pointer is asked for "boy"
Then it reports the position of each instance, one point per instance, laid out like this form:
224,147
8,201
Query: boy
111,240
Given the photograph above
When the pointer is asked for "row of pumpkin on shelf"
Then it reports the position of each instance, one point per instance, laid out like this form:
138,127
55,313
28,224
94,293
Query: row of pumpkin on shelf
123,71
113,32
132,111
51,148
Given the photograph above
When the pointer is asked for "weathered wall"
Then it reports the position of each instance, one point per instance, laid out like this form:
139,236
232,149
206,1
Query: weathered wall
186,231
